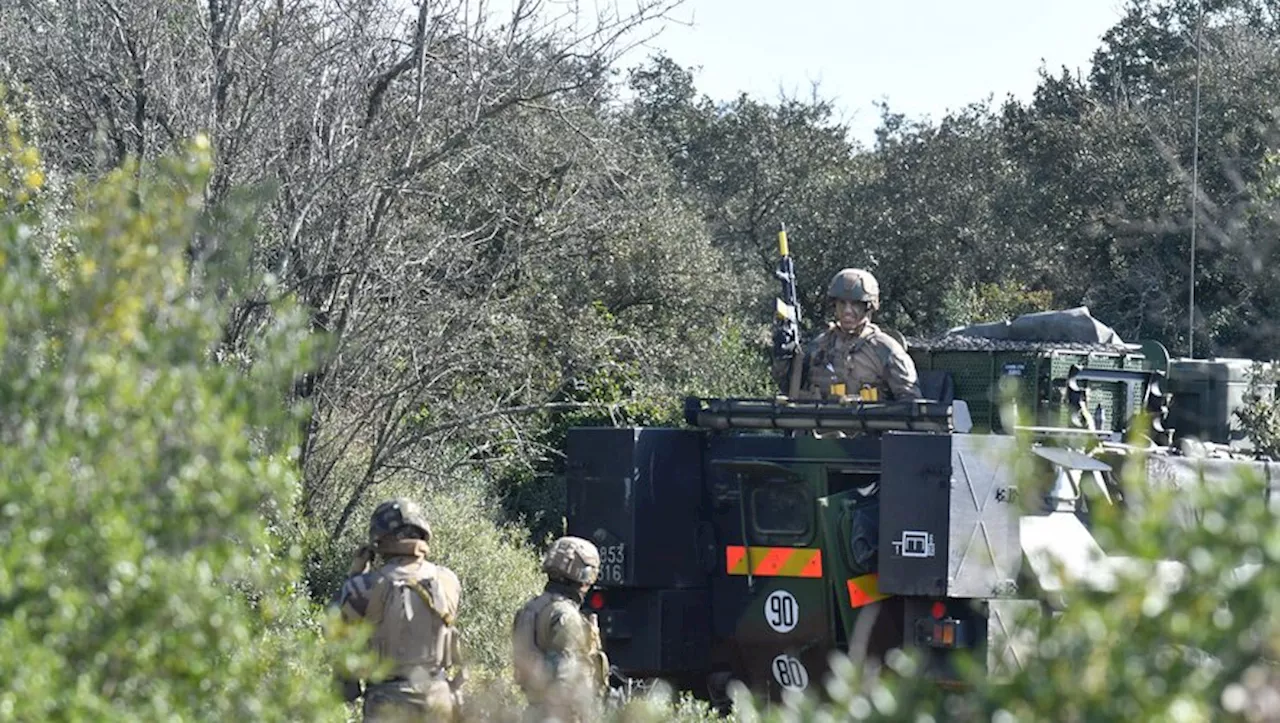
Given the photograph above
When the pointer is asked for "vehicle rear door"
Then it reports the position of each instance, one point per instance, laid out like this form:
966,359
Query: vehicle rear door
849,524
770,596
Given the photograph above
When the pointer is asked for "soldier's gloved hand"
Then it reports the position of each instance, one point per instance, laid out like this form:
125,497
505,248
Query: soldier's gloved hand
350,689
361,560
783,340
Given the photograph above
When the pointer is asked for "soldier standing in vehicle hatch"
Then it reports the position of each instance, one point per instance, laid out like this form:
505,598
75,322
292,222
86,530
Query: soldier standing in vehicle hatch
854,356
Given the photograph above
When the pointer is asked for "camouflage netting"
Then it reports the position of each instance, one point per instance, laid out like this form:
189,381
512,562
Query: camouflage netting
975,343
1067,329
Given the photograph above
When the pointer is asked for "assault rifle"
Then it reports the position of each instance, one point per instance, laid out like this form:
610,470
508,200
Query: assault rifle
786,329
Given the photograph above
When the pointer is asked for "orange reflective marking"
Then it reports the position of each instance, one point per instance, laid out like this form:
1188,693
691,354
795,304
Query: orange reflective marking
813,567
736,558
864,590
773,561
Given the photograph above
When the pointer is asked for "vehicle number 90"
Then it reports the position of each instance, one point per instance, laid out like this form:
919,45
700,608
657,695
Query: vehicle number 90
781,611
613,563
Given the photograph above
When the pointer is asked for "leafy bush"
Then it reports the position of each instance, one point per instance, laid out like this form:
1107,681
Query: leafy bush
993,302
139,575
1260,416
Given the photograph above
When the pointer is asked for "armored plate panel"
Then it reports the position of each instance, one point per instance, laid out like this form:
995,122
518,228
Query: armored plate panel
915,515
637,494
1011,635
948,515
657,632
1207,393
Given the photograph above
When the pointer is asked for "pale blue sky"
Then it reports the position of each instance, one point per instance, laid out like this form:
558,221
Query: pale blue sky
923,56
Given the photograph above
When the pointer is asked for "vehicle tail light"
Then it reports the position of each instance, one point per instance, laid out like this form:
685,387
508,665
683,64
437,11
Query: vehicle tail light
942,630
944,633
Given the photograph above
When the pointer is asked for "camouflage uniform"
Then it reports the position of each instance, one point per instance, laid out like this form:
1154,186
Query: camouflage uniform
412,605
869,359
869,363
559,662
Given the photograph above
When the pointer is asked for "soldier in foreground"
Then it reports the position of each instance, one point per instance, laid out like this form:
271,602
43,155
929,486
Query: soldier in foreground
559,662
412,605
853,356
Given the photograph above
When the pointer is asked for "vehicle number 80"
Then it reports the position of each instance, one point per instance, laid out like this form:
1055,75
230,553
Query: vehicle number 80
790,673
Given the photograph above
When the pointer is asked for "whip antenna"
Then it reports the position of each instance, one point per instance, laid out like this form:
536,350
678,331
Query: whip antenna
1195,187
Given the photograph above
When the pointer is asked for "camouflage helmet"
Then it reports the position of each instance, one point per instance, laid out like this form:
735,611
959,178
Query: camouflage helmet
855,285
573,560
394,514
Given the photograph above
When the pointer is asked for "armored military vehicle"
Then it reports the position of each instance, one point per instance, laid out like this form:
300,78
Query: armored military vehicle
1062,363
768,533
745,546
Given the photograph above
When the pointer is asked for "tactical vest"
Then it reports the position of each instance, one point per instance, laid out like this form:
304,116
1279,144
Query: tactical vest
824,352
531,672
413,615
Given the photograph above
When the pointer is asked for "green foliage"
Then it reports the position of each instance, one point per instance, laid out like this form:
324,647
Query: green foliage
749,166
1260,417
661,704
1267,187
1196,645
498,569
994,302
141,576
21,173
640,383
1082,193
533,491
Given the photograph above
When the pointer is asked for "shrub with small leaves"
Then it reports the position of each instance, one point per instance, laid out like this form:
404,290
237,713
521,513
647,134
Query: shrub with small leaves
139,577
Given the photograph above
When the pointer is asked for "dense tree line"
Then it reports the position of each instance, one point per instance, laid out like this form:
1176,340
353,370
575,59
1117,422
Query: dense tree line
494,231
